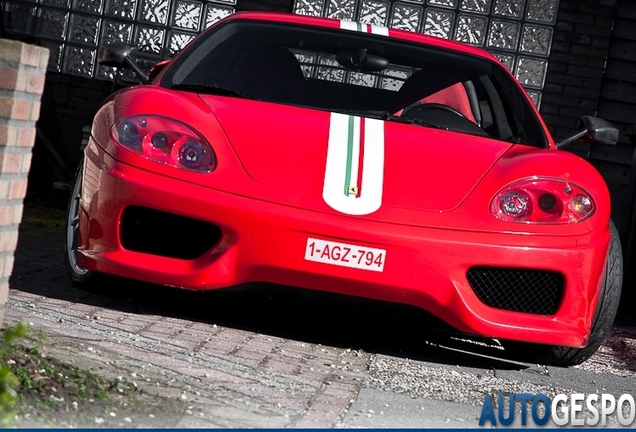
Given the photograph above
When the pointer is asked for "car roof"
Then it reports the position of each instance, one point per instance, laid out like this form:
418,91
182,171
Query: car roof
335,24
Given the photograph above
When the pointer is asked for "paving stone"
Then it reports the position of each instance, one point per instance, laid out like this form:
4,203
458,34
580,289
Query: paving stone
234,375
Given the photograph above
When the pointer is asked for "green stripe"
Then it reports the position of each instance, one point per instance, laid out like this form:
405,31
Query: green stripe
359,27
349,156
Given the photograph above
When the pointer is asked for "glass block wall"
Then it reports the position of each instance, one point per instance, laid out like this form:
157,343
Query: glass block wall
518,32
326,67
73,29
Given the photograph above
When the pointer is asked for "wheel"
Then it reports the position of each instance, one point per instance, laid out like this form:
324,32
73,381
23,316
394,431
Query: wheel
78,275
603,318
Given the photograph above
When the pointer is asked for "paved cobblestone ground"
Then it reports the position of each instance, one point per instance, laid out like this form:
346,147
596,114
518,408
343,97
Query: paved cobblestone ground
232,376
279,357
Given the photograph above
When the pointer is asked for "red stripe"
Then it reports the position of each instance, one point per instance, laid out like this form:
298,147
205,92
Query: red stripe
361,157
368,28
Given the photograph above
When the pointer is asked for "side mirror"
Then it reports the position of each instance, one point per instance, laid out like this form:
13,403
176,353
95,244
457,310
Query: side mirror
592,129
157,68
120,55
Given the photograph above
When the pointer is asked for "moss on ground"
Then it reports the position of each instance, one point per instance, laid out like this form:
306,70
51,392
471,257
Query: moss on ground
53,393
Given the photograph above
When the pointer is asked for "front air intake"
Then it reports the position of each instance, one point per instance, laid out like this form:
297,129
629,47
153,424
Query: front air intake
537,292
166,234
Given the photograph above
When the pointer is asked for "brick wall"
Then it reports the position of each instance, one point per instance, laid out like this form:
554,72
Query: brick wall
575,72
22,76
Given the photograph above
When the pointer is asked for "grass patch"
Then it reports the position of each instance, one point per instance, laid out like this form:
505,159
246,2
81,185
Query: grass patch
54,393
40,215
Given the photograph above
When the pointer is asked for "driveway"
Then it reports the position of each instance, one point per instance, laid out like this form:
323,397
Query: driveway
268,356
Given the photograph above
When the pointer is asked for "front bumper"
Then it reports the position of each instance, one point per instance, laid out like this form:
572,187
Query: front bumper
263,241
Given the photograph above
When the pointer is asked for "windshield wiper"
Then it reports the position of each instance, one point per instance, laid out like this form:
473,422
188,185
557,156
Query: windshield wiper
409,120
209,89
387,116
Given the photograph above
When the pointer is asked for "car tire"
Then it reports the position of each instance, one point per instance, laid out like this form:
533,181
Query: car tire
78,275
603,318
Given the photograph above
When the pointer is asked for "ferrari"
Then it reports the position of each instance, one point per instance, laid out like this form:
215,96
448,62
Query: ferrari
354,159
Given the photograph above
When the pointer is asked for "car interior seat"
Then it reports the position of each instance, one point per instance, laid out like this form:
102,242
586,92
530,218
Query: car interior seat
418,89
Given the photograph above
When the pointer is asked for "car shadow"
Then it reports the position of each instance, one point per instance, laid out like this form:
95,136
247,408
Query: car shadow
319,318
286,312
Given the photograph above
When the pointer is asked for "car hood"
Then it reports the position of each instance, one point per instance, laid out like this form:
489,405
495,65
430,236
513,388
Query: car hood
317,152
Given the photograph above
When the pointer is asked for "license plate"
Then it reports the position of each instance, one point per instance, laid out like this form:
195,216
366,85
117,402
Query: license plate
345,255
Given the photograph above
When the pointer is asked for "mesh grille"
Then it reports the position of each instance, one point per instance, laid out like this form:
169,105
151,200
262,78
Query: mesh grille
532,291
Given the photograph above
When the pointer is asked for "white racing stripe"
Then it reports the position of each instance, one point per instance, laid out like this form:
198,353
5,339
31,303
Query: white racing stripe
341,190
349,25
382,31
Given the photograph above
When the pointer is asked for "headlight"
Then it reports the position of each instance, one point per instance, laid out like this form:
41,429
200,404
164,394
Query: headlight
543,201
166,141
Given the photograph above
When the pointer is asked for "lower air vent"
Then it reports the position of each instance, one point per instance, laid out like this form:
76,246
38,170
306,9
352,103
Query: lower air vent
532,291
166,234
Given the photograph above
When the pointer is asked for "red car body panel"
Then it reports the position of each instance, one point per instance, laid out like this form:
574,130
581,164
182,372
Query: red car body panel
265,196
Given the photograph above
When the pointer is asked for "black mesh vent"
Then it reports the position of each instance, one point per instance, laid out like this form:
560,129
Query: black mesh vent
533,291
166,234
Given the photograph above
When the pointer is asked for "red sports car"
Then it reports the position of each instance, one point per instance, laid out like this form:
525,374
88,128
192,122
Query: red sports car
361,160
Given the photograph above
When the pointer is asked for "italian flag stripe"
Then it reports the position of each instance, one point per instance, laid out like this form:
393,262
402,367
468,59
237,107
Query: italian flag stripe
364,28
360,156
349,155
354,169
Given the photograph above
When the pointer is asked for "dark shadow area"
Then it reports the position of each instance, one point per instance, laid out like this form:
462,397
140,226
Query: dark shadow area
68,104
286,312
314,317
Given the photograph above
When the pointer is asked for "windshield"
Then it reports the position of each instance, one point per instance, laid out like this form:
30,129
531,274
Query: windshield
360,74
